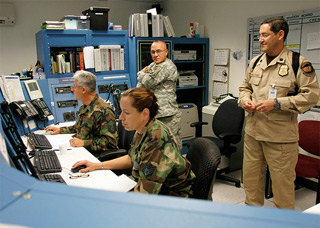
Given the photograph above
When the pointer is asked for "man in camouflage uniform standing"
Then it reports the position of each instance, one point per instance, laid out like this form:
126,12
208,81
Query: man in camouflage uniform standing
161,77
95,128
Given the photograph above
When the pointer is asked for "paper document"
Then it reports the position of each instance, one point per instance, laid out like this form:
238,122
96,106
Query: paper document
12,89
219,88
220,73
313,41
221,57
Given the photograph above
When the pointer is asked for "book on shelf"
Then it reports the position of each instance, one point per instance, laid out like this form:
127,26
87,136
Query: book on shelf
101,58
110,57
157,25
97,59
81,60
168,29
149,16
138,25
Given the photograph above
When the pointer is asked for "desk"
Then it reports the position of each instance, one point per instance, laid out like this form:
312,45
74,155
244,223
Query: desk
99,179
44,204
314,209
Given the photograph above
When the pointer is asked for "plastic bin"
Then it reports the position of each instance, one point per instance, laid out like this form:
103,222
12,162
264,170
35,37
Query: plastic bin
83,22
70,21
98,17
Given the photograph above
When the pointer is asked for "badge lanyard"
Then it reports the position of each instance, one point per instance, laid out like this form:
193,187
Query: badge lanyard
272,92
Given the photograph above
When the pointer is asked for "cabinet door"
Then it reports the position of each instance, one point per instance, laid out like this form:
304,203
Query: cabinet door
67,38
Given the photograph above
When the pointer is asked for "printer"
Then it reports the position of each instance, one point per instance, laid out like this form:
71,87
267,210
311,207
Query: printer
185,55
189,114
188,78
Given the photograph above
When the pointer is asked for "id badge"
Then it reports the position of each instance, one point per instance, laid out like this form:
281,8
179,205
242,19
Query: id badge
272,94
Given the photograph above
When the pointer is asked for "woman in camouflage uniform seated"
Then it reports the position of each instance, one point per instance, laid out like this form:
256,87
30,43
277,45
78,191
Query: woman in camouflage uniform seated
157,164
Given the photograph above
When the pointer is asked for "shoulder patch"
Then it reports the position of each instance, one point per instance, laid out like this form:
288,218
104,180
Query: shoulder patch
307,68
148,170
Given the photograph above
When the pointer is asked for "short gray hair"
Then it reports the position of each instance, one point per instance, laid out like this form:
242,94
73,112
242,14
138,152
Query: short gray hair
86,79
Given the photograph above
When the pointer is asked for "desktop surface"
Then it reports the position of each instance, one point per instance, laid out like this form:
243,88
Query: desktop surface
49,205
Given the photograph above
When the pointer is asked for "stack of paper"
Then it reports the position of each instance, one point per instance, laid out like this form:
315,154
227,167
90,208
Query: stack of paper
11,88
52,25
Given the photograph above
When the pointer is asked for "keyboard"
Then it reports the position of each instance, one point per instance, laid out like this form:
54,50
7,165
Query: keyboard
37,141
52,178
46,161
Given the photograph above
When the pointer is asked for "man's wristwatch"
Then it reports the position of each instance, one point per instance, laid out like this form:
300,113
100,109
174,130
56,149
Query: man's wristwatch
276,104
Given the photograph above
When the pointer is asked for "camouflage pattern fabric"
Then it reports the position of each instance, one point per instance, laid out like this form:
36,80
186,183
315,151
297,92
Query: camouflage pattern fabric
96,125
162,79
174,124
158,166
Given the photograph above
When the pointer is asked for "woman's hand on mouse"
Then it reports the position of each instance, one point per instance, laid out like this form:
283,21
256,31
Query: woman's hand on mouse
90,166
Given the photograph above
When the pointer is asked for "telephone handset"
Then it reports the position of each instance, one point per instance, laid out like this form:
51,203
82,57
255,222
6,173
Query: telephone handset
24,109
42,108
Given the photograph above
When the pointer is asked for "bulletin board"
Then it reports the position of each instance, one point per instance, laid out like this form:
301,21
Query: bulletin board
303,36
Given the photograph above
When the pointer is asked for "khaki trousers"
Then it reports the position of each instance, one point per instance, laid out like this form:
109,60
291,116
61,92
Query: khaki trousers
281,159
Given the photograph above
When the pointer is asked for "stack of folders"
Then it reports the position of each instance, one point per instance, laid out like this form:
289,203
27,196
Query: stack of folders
148,25
52,25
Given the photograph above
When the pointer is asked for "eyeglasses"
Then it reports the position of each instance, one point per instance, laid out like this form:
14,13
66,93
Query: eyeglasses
264,36
80,175
157,51
74,87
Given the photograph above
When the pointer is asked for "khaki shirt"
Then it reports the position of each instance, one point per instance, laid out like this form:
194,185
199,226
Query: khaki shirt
278,125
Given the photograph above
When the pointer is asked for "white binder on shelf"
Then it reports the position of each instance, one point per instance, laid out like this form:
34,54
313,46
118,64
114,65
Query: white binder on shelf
168,29
97,60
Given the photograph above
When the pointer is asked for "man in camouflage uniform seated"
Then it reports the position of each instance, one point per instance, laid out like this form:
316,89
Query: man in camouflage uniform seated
161,77
95,127
157,164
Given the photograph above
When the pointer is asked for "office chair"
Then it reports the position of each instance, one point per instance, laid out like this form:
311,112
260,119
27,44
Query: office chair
309,140
227,125
124,144
204,157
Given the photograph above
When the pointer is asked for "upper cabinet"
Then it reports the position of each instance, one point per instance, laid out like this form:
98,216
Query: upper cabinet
62,52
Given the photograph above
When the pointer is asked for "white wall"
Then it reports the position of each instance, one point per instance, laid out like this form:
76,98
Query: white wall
225,24
18,43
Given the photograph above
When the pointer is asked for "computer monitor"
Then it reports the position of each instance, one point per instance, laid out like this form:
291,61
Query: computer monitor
33,89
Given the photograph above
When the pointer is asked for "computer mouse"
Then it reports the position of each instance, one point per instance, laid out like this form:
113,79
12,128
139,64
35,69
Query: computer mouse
76,169
48,132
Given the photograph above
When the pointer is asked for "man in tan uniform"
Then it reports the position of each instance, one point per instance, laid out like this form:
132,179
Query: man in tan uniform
269,95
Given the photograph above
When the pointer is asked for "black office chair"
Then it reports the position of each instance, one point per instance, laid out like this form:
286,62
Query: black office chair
227,125
204,157
124,144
